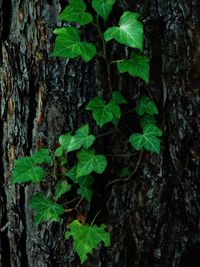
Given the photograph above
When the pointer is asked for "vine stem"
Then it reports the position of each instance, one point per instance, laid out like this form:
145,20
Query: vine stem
116,61
95,218
105,134
78,203
132,173
70,201
104,54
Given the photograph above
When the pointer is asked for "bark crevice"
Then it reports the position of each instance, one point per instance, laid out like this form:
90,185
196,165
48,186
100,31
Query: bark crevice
6,19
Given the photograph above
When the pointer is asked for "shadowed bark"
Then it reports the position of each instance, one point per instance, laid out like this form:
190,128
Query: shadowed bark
155,215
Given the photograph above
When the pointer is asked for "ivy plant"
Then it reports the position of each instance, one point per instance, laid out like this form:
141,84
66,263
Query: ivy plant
86,237
75,154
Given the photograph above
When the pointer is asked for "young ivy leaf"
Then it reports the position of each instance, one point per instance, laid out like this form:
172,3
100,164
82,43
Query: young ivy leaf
72,174
82,180
102,112
62,187
129,32
86,192
25,170
103,7
75,12
146,105
45,208
69,45
117,98
89,162
64,141
86,238
137,65
85,189
81,138
42,156
148,140
147,119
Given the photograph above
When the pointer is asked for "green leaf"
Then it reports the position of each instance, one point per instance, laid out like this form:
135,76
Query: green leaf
85,181
86,238
72,174
147,119
129,32
45,208
117,98
81,138
148,140
137,141
103,7
89,162
62,187
75,12
42,156
59,151
64,141
69,45
146,105
25,171
151,131
137,65
63,161
102,112
95,103
86,192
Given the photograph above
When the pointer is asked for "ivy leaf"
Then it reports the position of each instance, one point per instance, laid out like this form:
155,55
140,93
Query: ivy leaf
86,238
45,208
75,12
102,112
69,45
81,138
147,119
148,139
137,141
62,187
64,141
117,98
95,103
63,161
72,174
86,192
137,65
59,151
25,171
129,32
152,130
102,116
103,7
89,162
85,181
146,105
42,156
85,189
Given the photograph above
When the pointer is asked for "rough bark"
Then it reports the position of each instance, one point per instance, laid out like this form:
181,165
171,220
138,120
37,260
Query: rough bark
155,215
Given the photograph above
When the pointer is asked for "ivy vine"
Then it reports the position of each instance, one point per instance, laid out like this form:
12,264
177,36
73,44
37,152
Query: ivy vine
69,44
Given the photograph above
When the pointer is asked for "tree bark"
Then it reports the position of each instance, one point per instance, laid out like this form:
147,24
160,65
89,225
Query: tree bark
155,215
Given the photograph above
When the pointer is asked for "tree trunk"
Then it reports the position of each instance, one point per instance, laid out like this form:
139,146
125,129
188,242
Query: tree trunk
155,215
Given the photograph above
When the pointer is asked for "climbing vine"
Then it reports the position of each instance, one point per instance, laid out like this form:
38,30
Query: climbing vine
80,174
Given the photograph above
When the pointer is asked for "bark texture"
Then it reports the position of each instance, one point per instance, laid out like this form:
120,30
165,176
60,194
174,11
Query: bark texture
155,215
